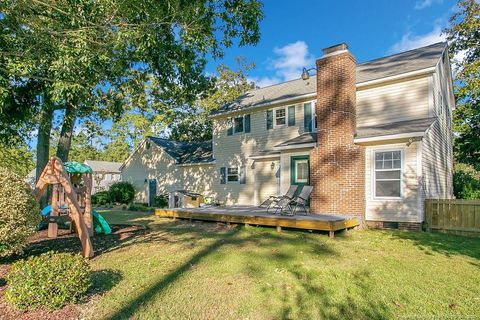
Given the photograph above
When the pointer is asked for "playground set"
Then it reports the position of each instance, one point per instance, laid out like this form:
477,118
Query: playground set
71,199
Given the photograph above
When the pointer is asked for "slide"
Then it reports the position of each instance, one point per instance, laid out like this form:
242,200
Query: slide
100,224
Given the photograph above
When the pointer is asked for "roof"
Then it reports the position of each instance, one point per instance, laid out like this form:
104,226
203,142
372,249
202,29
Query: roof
308,137
405,62
186,152
410,126
106,166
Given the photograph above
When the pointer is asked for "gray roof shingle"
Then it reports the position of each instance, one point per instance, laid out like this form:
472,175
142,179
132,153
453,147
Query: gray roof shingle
416,59
106,166
410,126
308,137
186,152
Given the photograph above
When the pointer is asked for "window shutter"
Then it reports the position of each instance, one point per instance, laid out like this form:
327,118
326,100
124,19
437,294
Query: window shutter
246,121
242,176
291,116
230,127
307,118
223,175
269,119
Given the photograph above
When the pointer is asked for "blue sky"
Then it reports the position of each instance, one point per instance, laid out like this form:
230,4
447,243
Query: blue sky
294,32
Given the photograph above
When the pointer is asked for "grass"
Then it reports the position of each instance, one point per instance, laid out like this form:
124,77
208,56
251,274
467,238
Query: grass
195,270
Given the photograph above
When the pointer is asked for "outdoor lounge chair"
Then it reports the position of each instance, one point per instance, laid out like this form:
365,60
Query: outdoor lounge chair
273,199
292,205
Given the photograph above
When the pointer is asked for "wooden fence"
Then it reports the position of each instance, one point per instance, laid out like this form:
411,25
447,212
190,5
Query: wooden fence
453,216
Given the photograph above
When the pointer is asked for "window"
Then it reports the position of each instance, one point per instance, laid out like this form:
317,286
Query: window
309,117
232,174
280,117
238,125
301,171
388,172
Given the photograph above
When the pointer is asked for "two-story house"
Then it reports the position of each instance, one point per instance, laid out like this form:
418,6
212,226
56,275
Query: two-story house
373,139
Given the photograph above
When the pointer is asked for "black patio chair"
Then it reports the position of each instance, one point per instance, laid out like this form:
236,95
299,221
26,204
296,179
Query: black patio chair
273,199
301,199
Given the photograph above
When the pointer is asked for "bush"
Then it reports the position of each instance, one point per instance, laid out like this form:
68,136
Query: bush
122,192
139,207
466,182
101,198
19,213
160,201
50,280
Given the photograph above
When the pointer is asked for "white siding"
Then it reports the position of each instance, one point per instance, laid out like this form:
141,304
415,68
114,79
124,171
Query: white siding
438,142
199,178
266,179
398,101
407,209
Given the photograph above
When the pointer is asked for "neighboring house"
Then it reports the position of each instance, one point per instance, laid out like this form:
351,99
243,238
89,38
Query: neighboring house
374,139
105,173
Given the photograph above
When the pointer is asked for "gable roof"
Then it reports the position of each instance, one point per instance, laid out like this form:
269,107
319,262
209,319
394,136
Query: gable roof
397,64
185,152
107,166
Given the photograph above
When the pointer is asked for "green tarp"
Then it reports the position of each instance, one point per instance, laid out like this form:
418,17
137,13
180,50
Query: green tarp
77,167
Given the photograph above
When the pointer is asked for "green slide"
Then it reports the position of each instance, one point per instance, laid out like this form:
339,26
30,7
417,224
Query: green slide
100,224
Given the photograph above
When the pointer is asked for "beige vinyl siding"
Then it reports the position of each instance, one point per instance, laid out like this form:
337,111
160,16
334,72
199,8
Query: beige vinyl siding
438,142
398,101
286,166
199,178
407,209
236,149
266,179
152,163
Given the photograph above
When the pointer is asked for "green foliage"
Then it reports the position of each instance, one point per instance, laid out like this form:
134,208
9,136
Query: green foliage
160,201
19,213
50,280
101,198
139,207
122,192
466,182
15,156
83,149
464,38
116,150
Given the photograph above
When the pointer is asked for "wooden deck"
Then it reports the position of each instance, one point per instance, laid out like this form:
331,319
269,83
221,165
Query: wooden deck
250,215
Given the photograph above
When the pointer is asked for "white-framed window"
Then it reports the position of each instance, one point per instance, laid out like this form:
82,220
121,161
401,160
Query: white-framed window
280,117
387,173
238,124
301,171
232,175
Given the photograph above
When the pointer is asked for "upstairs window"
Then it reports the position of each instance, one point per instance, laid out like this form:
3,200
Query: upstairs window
280,117
238,125
388,174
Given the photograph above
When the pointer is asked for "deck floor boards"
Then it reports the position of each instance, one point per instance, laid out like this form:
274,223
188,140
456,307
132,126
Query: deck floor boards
259,216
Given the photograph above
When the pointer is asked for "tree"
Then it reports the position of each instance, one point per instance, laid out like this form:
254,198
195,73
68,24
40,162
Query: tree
82,149
16,157
116,150
196,125
464,38
107,56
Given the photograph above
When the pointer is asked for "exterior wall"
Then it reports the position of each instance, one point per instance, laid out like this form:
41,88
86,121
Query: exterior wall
267,180
199,179
285,160
438,142
410,207
152,163
103,180
393,102
337,164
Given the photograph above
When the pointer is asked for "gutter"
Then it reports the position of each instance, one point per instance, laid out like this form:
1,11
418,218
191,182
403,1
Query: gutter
390,137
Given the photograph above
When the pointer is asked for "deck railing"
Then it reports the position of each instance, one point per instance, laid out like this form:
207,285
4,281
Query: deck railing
453,216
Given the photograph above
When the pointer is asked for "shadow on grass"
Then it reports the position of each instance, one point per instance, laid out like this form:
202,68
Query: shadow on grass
104,280
446,244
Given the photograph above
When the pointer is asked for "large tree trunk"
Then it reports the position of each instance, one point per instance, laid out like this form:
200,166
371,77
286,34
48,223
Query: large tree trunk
66,133
43,144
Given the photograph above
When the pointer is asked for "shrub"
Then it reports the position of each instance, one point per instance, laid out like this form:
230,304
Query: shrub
122,192
466,182
101,198
19,213
139,207
50,280
160,201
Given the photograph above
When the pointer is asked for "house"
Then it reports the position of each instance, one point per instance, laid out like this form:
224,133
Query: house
373,139
105,173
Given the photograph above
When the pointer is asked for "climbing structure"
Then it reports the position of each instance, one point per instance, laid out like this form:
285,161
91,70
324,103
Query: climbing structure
67,190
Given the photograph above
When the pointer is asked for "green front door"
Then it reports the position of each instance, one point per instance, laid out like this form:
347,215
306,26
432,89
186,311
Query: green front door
300,171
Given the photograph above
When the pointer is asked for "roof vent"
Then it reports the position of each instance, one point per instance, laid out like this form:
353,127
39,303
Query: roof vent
338,48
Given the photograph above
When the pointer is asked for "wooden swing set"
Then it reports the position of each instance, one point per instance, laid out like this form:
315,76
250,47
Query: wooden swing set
75,196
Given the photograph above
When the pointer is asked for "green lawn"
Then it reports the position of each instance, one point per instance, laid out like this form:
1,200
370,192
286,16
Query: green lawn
195,270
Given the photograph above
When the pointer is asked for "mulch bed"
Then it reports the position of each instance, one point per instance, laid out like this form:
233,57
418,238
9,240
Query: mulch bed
65,242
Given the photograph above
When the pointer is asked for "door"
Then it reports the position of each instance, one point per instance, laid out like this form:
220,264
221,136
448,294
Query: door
152,191
300,171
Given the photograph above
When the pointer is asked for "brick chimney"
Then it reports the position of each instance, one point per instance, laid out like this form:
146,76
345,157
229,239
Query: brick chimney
337,164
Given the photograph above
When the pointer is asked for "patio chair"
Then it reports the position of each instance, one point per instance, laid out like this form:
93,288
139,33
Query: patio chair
301,200
273,199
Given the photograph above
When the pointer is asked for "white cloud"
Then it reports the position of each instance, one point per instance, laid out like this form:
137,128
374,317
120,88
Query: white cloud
411,41
288,64
422,4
